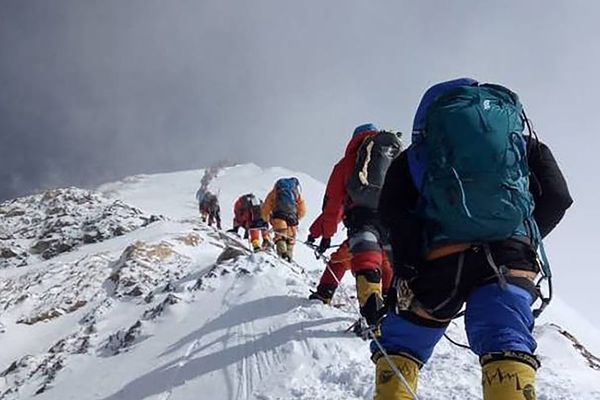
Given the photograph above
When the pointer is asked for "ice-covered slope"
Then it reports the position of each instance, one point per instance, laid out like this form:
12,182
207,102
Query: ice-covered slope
178,310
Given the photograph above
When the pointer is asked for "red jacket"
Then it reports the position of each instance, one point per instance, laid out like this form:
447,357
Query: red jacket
241,215
244,214
336,201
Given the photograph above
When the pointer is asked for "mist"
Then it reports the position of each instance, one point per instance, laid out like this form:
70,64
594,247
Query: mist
91,91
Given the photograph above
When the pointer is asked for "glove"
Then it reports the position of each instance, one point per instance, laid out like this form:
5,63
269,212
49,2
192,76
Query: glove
310,240
405,271
324,245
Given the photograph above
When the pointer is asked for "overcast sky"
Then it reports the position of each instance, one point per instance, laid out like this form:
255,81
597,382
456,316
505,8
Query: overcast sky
92,91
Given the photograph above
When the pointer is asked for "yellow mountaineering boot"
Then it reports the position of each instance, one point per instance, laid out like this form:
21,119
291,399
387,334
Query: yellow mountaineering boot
281,247
388,386
368,291
509,376
367,283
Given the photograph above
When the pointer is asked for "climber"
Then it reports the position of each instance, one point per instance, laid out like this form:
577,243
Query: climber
467,205
351,196
247,215
284,207
210,211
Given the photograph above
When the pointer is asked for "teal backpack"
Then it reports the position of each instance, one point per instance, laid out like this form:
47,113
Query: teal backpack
469,162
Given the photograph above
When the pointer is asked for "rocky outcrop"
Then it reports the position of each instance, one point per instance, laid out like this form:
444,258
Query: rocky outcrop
144,267
59,220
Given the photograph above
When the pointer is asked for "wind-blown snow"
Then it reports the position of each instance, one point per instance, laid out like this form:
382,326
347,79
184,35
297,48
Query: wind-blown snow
177,310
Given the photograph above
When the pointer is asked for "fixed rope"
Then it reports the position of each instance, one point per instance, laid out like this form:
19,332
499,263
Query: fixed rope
348,298
368,330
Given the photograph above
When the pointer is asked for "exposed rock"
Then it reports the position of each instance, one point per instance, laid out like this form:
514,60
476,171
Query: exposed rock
51,314
121,340
169,287
6,252
11,254
60,220
192,239
39,247
74,344
229,253
155,312
11,368
43,368
45,291
143,267
15,212
198,285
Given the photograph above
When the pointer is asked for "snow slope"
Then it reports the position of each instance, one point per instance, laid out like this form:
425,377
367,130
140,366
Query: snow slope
177,310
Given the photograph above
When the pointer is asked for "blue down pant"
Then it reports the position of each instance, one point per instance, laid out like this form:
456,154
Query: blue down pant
498,317
496,320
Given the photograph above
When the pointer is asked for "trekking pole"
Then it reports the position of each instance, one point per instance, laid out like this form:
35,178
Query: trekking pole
369,330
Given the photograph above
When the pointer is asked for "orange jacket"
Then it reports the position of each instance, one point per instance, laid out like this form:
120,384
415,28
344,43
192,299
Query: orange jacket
269,205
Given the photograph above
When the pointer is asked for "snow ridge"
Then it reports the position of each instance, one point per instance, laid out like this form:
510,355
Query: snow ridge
175,310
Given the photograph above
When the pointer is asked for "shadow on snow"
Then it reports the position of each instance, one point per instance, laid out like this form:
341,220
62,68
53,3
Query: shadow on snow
184,368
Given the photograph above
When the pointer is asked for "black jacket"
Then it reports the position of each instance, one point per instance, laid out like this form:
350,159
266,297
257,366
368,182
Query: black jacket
399,198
